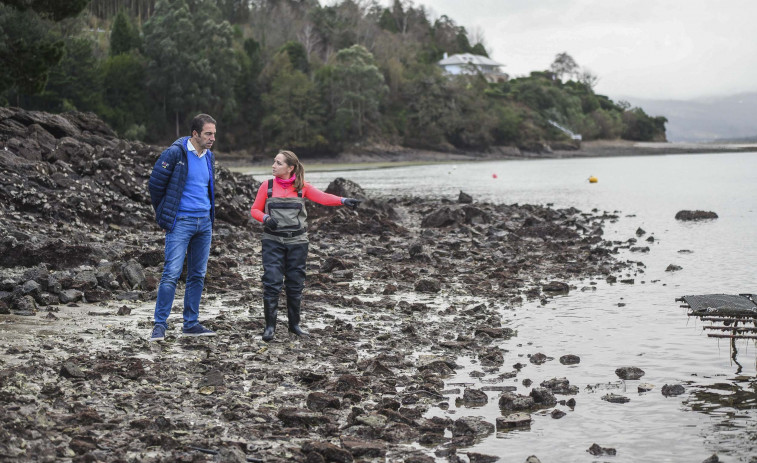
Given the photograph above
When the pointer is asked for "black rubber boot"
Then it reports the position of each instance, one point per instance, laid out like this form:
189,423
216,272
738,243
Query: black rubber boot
270,310
293,313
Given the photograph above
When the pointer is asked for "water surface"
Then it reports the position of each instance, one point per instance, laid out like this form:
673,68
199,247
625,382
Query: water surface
618,325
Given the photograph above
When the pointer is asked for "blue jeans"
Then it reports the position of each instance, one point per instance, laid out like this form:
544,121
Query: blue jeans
190,237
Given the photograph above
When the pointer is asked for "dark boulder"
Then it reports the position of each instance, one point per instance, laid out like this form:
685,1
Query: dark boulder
672,390
443,217
695,215
629,373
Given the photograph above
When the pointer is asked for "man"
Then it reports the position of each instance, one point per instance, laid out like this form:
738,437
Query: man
181,191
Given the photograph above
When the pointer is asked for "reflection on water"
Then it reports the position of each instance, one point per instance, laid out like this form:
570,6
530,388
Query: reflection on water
617,325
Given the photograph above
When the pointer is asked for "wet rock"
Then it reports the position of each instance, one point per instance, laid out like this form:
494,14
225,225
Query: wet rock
474,457
231,454
645,387
672,390
319,401
472,426
596,450
557,414
533,459
538,358
496,333
329,452
214,377
673,268
474,397
642,249
464,198
30,288
475,216
333,263
640,232
570,359
615,398
418,458
510,401
68,296
543,396
24,305
415,249
513,420
70,370
629,373
556,287
134,274
441,367
97,295
686,215
560,386
363,448
444,217
84,280
81,445
300,418
714,459
427,285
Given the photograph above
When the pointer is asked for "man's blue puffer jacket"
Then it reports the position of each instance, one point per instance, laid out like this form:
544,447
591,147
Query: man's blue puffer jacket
167,183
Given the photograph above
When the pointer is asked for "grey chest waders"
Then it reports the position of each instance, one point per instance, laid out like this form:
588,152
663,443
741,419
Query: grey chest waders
284,256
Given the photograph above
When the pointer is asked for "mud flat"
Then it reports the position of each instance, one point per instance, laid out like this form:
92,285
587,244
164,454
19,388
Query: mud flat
397,292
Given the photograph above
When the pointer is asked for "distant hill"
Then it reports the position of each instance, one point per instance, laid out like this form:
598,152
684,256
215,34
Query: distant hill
727,118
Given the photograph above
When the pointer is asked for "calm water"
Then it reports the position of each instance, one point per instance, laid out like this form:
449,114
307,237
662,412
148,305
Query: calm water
650,331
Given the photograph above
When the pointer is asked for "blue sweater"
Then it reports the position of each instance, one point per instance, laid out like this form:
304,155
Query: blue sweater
195,199
168,181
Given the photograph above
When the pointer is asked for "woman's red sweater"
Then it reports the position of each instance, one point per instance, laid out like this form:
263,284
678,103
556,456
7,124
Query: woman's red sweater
308,191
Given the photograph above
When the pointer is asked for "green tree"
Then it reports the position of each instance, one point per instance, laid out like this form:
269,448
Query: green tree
359,90
53,10
123,92
29,47
248,94
75,83
297,55
292,109
564,66
191,66
124,36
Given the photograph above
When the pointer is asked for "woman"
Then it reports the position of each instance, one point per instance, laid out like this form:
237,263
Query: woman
280,206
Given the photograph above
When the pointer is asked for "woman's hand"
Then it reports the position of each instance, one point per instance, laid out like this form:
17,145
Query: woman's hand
270,223
351,202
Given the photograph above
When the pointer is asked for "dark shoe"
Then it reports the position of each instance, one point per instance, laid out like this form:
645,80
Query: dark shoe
158,333
293,313
270,311
198,330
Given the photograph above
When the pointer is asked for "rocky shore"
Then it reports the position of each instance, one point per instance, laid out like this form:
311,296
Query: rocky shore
397,292
585,149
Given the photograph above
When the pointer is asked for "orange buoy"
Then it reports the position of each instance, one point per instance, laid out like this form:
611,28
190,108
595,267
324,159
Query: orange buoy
593,179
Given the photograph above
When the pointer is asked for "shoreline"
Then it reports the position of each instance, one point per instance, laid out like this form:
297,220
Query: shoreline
388,157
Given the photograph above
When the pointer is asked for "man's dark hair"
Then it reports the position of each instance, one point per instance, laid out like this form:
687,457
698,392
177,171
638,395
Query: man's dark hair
199,122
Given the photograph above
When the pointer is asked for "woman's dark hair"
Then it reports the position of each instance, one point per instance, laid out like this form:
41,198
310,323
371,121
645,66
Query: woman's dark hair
199,122
291,159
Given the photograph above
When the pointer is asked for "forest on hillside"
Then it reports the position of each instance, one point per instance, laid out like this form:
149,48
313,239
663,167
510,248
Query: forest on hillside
293,74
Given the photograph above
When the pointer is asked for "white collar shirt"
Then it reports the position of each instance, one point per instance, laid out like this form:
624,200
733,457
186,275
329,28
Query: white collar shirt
191,148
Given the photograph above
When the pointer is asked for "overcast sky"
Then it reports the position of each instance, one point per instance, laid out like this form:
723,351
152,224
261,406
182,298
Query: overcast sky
672,49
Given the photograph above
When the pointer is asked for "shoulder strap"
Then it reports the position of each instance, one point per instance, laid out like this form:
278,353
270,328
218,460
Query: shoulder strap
270,188
299,193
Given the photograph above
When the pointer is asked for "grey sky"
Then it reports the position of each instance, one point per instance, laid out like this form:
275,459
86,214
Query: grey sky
677,49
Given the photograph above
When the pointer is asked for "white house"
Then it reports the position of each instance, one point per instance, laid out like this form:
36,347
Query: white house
466,63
